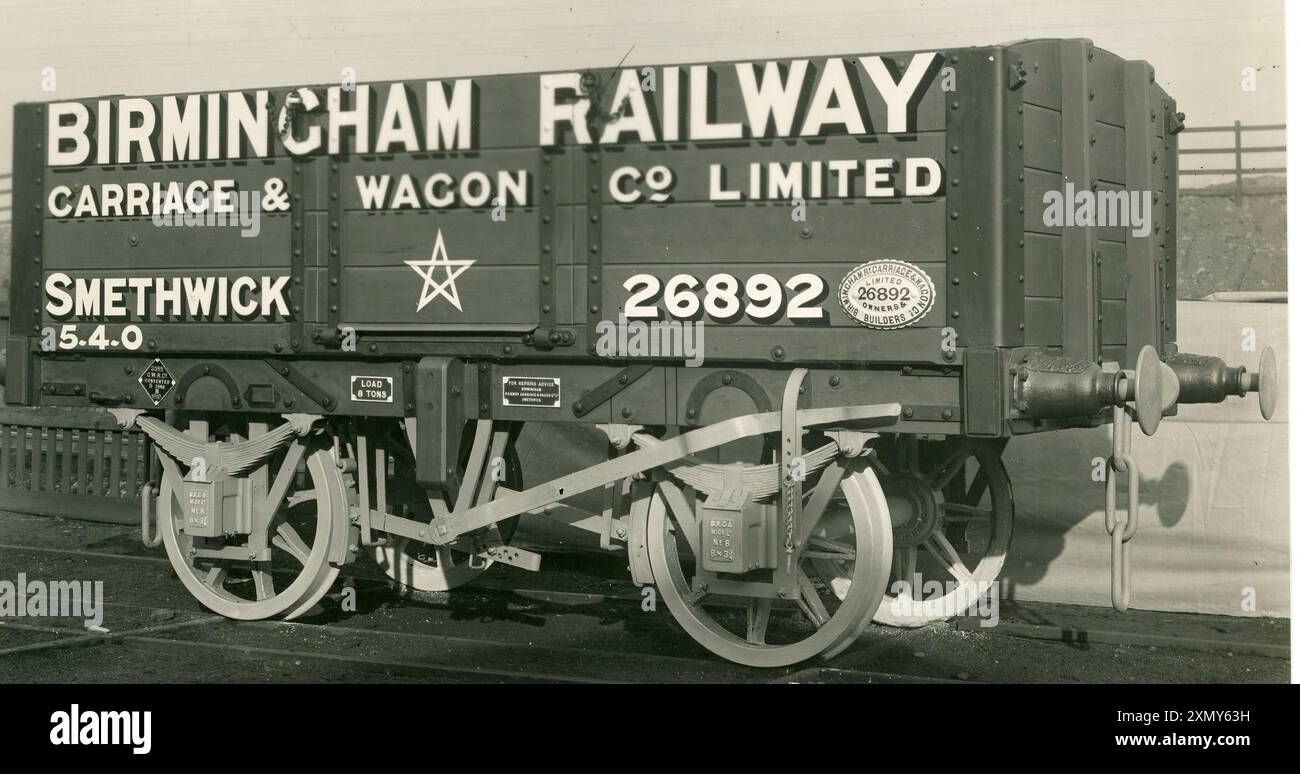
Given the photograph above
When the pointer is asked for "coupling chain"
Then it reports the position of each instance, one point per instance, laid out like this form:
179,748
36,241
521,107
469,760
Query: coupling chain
1121,530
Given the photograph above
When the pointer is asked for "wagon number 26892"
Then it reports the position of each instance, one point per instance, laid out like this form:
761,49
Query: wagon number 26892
724,297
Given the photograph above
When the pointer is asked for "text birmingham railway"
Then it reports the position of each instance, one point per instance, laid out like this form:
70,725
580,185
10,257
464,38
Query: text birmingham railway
227,125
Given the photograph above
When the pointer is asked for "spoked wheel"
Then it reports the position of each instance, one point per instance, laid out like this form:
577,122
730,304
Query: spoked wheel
744,618
952,509
298,503
418,566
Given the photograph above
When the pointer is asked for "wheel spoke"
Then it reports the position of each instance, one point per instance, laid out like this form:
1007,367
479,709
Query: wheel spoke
966,512
283,478
299,497
878,464
287,539
810,601
263,581
216,576
829,549
904,568
977,487
815,508
945,553
953,464
760,612
684,513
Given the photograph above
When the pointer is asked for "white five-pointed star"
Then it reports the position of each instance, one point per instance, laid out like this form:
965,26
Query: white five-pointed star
433,288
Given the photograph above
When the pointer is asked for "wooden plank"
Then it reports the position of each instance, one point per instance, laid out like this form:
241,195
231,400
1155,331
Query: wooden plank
1106,86
1037,184
115,465
133,443
97,486
23,481
906,230
51,456
83,461
1043,322
1042,138
1108,153
58,417
154,466
1042,60
101,246
5,457
65,468
1113,270
1042,265
1107,208
35,469
1114,315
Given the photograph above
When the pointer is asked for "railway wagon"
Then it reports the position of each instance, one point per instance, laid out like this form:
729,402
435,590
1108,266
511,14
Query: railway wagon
806,301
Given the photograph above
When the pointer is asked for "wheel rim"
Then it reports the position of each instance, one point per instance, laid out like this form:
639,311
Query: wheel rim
426,567
300,527
964,548
717,623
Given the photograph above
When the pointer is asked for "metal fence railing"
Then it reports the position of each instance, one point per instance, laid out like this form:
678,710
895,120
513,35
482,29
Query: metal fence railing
1239,153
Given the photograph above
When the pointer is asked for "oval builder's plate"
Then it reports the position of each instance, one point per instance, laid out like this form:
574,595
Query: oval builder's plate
887,294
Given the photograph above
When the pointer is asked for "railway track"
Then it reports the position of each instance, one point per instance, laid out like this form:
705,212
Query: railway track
527,636
205,634
360,649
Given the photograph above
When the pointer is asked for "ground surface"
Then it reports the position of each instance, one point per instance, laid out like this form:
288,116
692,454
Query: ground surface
578,620
1226,246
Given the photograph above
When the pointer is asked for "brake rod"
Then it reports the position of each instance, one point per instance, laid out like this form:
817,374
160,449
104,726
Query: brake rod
447,528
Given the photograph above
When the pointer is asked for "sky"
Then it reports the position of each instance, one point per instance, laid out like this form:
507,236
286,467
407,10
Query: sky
1198,47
